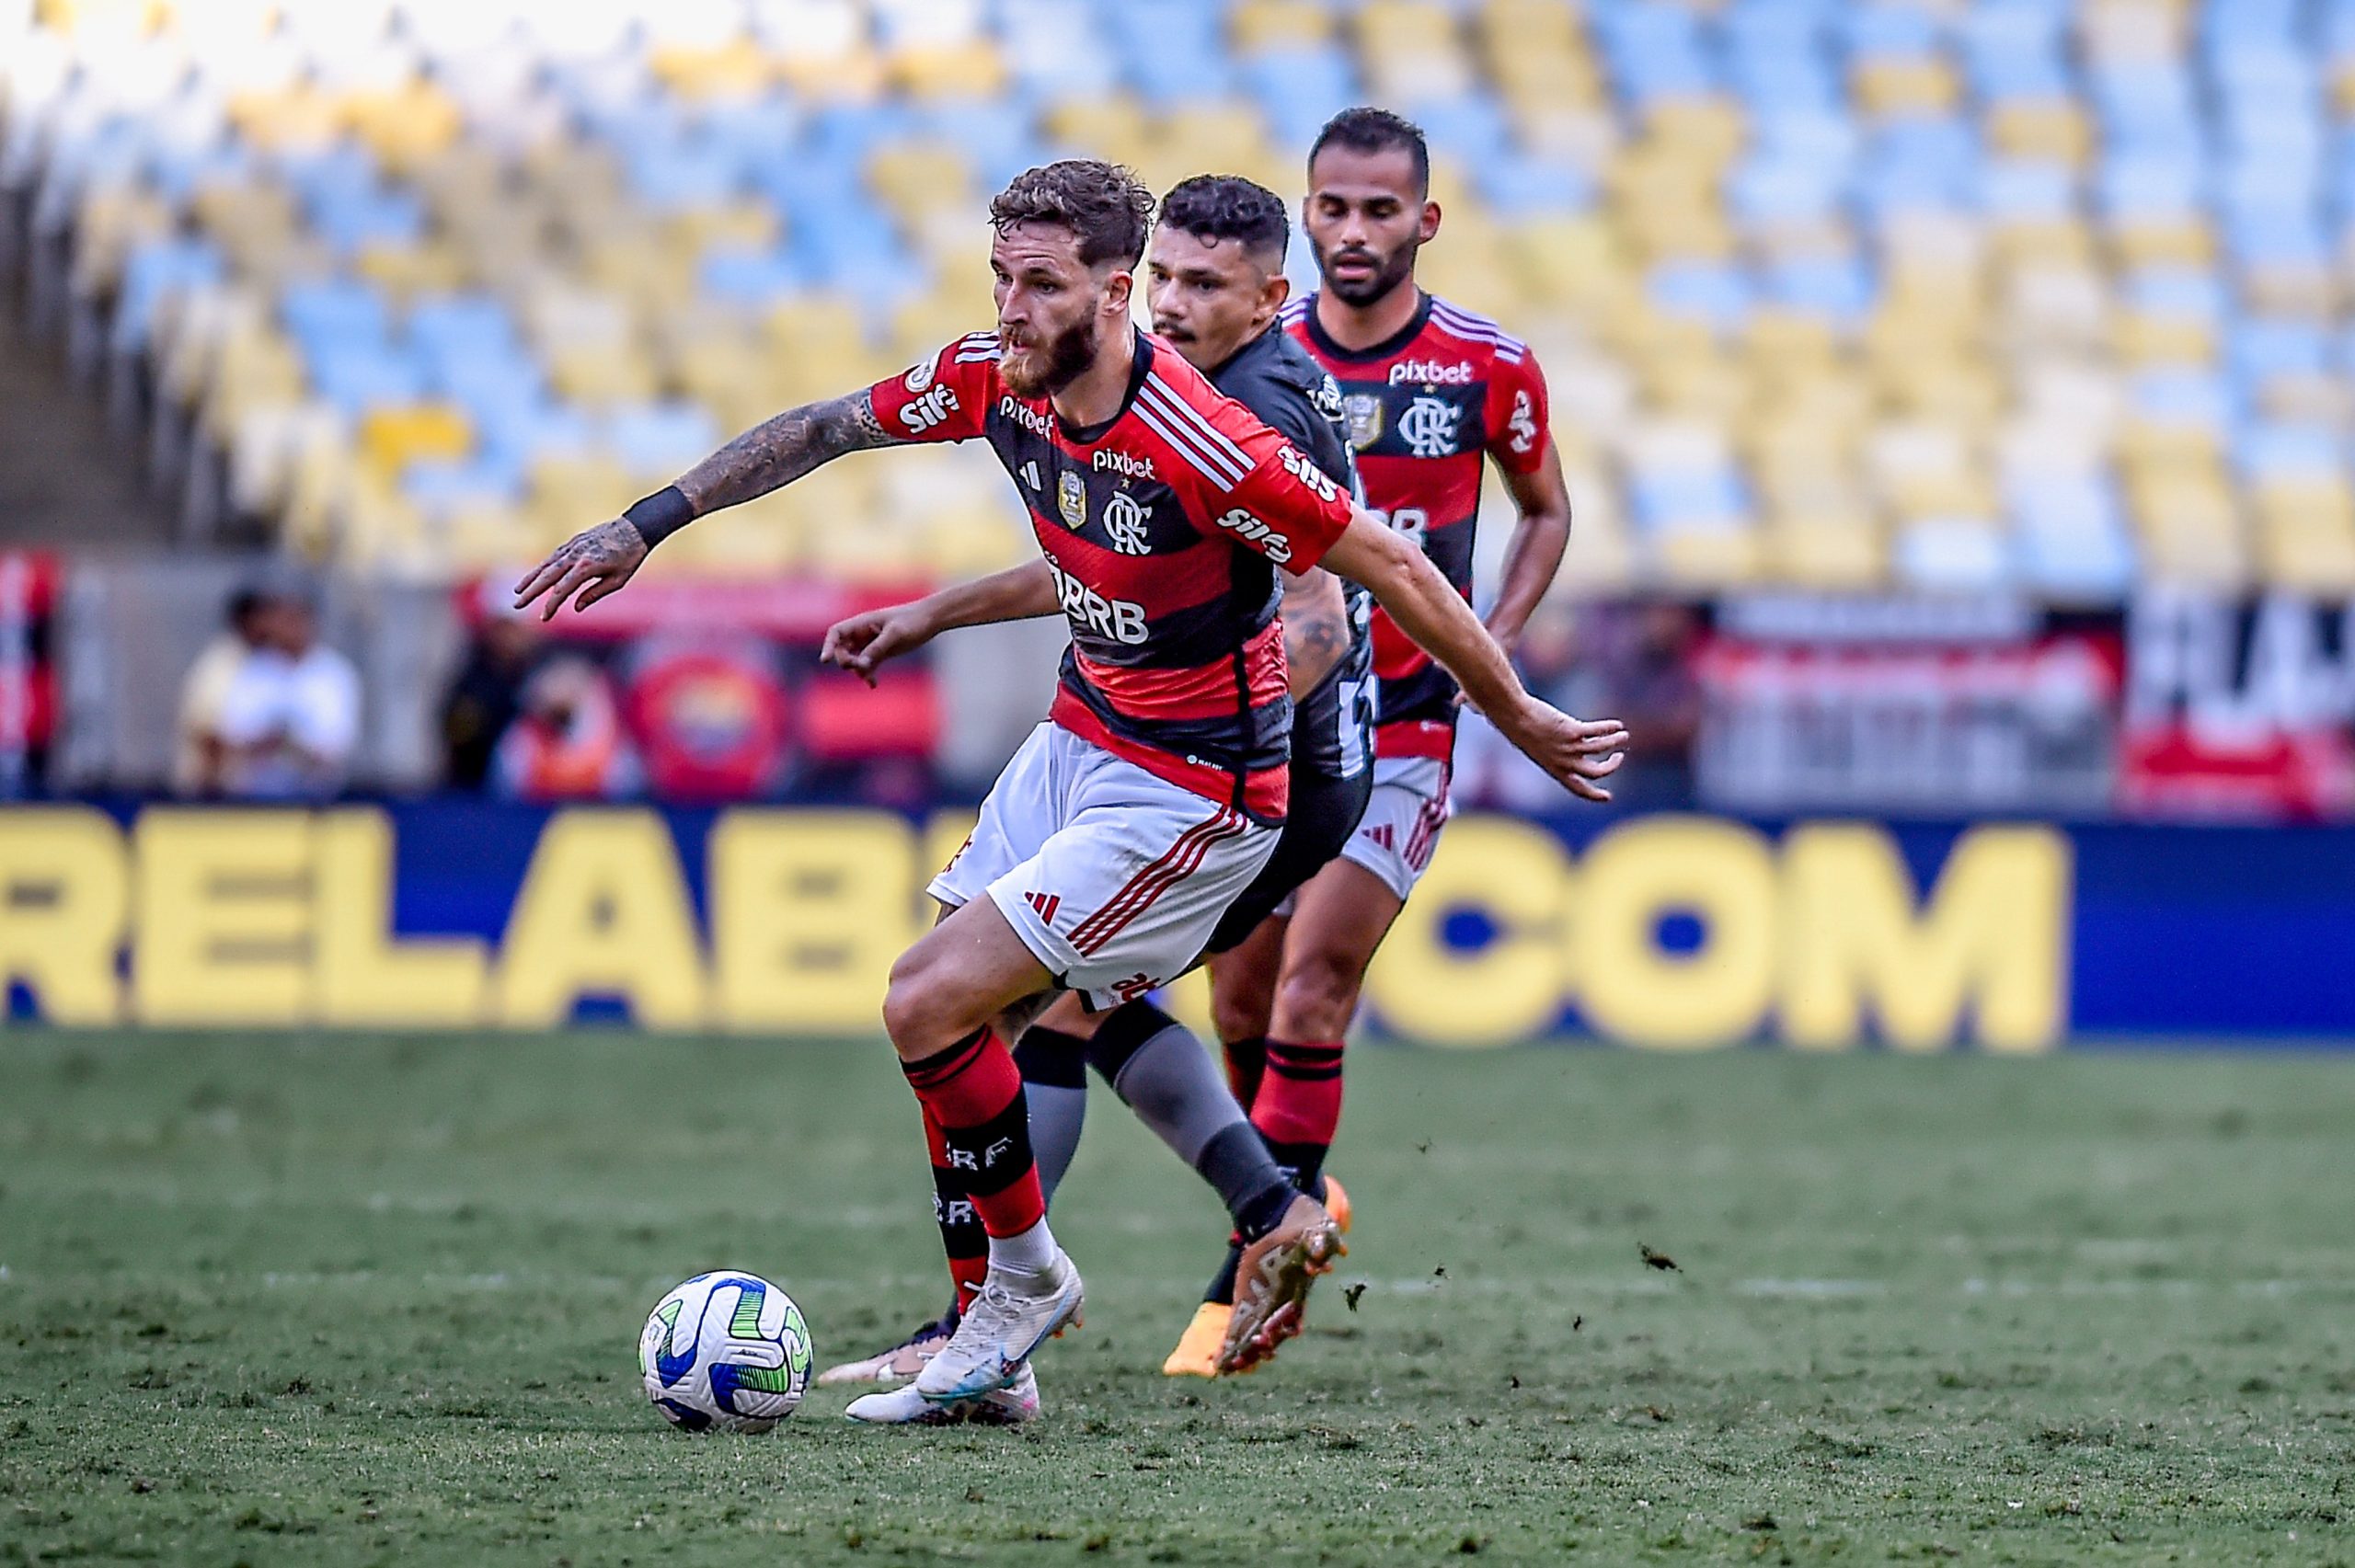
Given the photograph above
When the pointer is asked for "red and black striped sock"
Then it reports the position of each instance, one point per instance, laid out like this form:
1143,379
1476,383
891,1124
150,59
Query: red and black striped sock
962,1236
974,1093
1298,1107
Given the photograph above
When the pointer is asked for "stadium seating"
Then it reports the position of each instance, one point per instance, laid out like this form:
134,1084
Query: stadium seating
2022,295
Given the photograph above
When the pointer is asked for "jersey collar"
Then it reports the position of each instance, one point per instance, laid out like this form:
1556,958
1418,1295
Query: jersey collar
1141,365
1389,347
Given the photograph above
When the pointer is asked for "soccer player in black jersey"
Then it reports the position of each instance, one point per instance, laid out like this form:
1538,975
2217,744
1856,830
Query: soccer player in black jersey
1215,284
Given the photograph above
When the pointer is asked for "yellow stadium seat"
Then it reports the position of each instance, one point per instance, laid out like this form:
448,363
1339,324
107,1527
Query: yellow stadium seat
971,69
2162,242
1830,552
2292,289
1111,126
1707,131
601,373
1512,27
301,118
2143,340
1279,24
1703,559
2306,536
1567,260
567,494
730,68
404,271
2302,398
1908,85
393,437
2051,130
485,538
405,125
915,177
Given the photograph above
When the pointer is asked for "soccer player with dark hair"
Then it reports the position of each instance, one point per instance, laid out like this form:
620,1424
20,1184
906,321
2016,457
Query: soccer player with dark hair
1152,793
1427,391
1214,275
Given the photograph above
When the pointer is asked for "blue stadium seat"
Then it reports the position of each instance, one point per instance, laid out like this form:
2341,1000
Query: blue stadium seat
154,273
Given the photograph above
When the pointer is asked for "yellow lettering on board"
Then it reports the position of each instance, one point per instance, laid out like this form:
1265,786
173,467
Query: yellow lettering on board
807,911
603,912
1508,988
221,904
364,976
64,890
1991,939
1639,873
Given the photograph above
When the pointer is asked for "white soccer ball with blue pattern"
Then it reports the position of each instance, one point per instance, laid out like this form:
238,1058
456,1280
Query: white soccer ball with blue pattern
725,1352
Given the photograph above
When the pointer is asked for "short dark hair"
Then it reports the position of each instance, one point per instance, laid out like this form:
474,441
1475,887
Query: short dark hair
1227,206
1368,130
1104,205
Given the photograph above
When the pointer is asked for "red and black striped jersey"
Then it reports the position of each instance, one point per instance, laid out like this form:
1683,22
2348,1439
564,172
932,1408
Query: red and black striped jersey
1423,410
1163,527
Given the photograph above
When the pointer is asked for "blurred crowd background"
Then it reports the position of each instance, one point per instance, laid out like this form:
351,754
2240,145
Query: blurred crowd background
1957,398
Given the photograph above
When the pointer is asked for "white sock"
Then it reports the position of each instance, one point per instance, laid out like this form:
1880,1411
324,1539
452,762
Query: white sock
1031,1252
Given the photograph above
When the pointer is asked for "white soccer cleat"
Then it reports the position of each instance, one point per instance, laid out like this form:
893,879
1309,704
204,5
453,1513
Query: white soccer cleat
896,1366
1009,1406
1010,1318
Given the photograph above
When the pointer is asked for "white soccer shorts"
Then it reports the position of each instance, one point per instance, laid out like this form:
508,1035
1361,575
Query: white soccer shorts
1113,878
1400,828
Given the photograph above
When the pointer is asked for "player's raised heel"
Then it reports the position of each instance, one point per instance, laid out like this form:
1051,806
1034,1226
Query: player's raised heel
1273,1284
1007,1322
1198,1347
900,1362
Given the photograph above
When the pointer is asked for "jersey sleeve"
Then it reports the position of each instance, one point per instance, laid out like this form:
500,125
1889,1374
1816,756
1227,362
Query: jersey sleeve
942,398
1286,508
1517,416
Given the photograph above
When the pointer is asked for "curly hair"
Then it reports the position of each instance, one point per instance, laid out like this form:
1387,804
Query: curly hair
1227,206
1104,205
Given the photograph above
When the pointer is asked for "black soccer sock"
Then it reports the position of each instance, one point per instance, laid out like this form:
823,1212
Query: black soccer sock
1054,1082
1247,1063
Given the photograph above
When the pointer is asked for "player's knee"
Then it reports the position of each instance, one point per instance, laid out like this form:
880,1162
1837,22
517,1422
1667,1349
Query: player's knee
921,1010
1317,995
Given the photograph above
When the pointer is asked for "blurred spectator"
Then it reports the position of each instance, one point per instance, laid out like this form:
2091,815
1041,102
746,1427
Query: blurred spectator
289,713
199,757
487,696
567,743
1644,674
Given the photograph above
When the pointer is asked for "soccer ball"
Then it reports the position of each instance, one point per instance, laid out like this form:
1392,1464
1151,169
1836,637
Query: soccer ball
725,1351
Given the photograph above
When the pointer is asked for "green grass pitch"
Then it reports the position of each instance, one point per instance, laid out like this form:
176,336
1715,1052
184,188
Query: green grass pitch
344,1300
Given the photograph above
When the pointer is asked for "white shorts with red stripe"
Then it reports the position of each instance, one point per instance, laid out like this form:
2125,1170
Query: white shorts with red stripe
1400,828
1113,878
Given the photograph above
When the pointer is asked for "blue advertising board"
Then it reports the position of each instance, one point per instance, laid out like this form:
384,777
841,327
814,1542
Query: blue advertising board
1669,932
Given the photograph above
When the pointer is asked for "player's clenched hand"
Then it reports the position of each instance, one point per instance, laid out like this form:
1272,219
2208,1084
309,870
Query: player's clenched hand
864,641
590,565
1575,751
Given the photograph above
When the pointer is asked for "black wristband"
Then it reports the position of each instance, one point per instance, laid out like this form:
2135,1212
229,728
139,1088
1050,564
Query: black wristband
660,515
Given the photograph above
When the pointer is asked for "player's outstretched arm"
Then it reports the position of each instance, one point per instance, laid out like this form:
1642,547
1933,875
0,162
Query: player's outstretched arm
1317,627
1575,752
1533,554
769,456
861,642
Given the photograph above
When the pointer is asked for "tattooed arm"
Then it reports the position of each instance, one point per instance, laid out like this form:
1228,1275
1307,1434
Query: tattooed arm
1317,627
769,456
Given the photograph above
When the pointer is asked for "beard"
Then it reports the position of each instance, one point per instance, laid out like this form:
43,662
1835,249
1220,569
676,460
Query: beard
1389,272
1047,369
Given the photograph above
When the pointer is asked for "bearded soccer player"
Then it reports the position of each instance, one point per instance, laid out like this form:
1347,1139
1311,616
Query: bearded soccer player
1428,390
1153,795
1215,283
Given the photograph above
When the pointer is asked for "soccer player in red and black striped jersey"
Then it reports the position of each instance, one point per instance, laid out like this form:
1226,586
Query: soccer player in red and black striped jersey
1154,793
1431,392
1216,284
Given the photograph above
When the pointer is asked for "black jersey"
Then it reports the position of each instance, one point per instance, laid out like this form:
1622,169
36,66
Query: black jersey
1332,729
